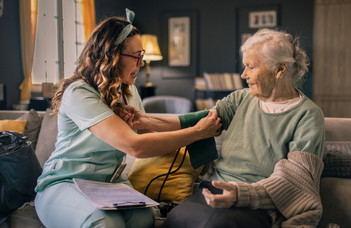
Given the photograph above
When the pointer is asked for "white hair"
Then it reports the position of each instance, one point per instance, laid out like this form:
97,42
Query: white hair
279,47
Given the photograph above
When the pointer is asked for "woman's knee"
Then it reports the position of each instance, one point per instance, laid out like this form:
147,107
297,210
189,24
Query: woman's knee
63,206
105,219
143,218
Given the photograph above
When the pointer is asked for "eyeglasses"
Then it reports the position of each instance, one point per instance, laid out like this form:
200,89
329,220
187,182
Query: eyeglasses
139,58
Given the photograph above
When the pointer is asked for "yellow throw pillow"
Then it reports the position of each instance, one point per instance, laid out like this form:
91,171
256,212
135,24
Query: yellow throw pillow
178,186
13,125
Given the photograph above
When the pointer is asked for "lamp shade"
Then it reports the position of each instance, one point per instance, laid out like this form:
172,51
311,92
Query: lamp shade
152,50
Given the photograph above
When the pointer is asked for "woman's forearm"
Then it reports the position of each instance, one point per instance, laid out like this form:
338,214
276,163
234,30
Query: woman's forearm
160,143
170,122
162,122
123,138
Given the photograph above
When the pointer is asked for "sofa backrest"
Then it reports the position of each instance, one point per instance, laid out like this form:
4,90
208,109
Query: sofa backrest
167,104
46,130
47,137
337,129
14,114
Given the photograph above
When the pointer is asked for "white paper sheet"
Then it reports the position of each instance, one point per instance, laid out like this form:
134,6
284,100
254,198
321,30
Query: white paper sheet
112,196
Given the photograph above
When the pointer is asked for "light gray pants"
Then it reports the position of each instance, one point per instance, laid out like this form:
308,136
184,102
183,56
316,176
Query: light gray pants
61,205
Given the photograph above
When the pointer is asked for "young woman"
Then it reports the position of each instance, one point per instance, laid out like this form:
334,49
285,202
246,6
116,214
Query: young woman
93,140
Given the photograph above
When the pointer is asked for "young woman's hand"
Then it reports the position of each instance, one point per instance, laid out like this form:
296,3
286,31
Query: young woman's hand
134,117
214,111
225,200
209,126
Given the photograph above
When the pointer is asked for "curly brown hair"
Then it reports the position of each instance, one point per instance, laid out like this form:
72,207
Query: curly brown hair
98,64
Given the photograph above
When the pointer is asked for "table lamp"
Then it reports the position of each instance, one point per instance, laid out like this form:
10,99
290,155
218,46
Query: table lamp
152,53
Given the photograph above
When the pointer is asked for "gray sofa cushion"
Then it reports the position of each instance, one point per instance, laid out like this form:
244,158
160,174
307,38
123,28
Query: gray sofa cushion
336,199
167,104
337,162
47,137
33,125
337,129
25,216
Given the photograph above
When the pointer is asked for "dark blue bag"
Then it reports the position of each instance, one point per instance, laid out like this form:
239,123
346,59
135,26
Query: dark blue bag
19,171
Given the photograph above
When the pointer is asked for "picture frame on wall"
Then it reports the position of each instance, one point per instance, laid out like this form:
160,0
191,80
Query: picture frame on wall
179,41
263,19
179,44
1,7
250,20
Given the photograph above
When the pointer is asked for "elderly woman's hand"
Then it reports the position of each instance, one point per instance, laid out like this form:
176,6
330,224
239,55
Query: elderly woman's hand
225,200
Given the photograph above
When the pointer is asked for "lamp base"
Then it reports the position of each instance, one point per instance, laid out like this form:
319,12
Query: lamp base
147,91
148,84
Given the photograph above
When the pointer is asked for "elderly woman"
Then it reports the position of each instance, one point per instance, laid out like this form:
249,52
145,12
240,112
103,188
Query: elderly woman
270,163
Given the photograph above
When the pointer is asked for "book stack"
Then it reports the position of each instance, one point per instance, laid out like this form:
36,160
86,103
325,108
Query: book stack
204,104
223,81
215,83
200,83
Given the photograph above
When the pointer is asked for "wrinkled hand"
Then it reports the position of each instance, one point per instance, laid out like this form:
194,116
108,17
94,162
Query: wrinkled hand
210,125
133,116
225,200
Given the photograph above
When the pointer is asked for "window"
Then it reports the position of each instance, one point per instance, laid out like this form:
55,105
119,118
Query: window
57,30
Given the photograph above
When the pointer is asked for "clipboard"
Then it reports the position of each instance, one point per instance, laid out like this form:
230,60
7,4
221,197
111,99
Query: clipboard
112,196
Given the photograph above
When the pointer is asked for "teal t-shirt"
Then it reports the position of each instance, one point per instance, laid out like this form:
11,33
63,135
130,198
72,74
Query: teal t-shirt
255,141
78,153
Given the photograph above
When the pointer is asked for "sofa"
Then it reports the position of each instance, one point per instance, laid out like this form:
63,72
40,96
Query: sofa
335,186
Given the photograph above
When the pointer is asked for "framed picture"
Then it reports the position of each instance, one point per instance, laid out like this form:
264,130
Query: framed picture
263,19
250,20
179,44
1,7
179,41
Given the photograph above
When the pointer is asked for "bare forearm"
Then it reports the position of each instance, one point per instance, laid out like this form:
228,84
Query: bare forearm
123,138
162,123
157,143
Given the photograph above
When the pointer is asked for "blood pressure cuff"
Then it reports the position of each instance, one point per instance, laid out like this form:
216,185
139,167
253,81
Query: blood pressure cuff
203,151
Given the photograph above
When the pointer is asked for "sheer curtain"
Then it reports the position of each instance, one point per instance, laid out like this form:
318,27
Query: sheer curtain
28,15
29,26
88,9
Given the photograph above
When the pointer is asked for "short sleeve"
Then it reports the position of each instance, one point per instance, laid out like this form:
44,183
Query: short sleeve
83,105
309,134
227,107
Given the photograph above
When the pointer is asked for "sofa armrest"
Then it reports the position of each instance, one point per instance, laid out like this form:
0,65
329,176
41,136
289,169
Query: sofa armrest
336,201
337,129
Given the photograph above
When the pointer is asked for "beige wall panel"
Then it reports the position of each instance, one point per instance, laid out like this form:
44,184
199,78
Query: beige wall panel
332,57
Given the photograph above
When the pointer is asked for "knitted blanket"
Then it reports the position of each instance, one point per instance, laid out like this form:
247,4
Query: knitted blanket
292,189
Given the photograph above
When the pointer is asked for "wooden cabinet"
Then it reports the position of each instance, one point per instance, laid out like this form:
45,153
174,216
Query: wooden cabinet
332,57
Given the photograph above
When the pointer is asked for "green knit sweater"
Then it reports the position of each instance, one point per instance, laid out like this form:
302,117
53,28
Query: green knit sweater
255,141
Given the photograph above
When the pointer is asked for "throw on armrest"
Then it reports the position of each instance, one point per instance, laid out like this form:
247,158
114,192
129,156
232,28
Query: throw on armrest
293,188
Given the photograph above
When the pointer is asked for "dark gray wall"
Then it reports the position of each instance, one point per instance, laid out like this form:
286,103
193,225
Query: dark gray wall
11,73
218,24
216,43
